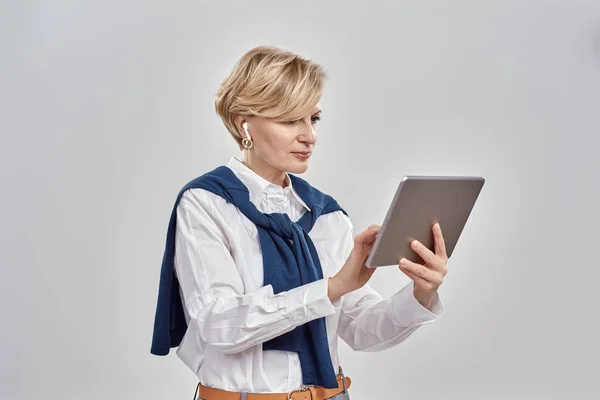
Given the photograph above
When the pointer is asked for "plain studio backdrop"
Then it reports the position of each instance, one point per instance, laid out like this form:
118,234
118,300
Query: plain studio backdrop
107,110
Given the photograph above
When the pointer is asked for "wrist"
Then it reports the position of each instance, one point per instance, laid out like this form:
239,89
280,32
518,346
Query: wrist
334,289
425,297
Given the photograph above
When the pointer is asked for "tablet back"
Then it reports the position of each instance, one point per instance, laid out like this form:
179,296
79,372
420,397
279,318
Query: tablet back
420,201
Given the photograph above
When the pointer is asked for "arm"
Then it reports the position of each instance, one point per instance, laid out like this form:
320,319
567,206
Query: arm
226,316
370,323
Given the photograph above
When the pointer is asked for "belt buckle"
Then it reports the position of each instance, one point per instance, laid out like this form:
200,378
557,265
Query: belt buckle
341,374
303,388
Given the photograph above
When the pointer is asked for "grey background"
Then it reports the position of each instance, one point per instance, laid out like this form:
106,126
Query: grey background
106,109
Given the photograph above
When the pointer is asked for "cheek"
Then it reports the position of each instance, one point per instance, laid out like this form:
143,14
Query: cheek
281,140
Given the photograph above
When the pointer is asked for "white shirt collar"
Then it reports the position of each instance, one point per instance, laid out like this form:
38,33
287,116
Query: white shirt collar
257,185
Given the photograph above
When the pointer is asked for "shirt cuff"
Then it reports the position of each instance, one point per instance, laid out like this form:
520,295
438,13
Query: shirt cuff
308,302
408,311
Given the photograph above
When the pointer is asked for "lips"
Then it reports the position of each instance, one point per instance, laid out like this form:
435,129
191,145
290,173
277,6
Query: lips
302,155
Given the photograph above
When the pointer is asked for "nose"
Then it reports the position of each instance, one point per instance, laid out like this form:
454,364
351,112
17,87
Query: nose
309,134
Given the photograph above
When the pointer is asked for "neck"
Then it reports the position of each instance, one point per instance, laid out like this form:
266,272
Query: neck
263,169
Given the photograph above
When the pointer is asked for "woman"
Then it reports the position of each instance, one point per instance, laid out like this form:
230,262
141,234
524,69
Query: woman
261,271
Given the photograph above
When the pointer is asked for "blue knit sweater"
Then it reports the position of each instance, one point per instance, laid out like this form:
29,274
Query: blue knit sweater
289,260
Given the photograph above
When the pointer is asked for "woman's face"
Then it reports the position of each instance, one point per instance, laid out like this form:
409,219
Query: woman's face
283,146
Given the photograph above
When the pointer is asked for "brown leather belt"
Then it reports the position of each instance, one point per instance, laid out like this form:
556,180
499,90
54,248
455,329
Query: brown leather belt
308,393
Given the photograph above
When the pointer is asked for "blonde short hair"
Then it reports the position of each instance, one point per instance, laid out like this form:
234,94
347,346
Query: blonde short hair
272,83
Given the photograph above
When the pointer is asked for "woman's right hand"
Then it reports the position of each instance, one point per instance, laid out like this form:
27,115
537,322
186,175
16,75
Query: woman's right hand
354,274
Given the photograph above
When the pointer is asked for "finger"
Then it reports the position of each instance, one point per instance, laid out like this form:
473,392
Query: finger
362,237
365,238
439,242
427,255
374,230
372,239
417,279
413,276
369,235
421,271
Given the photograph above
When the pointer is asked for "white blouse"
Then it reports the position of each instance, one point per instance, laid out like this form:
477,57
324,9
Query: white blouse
230,313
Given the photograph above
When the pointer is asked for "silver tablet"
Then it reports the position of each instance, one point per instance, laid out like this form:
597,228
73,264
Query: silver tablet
419,203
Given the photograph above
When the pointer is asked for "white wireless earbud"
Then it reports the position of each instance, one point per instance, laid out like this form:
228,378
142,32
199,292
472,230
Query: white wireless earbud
247,143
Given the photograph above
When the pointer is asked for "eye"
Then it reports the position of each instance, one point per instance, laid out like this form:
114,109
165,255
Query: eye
314,119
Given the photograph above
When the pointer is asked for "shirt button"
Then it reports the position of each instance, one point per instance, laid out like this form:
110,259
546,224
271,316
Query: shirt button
296,363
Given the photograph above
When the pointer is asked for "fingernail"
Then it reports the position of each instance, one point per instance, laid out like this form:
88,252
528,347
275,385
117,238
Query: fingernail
414,243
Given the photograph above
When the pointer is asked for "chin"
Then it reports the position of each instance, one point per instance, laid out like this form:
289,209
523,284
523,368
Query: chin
298,167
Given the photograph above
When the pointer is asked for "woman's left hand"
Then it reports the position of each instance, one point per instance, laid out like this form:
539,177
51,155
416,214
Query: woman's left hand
428,277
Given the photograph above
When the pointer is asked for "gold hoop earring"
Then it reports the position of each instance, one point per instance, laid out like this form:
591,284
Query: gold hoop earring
247,143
